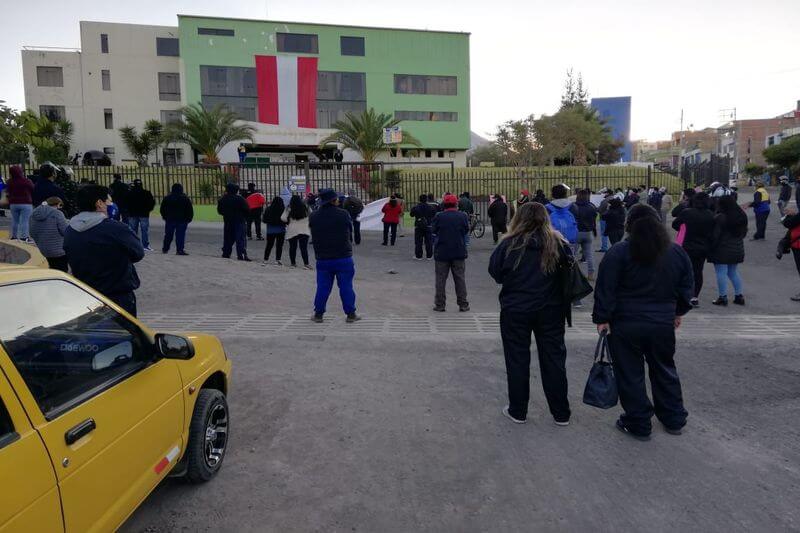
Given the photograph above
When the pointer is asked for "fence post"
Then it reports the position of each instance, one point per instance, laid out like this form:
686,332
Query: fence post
649,177
95,172
587,186
452,170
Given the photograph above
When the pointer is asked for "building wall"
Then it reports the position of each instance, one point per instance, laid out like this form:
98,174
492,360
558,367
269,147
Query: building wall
751,134
387,52
617,110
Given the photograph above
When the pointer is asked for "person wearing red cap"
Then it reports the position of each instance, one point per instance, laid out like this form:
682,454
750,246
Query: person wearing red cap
450,228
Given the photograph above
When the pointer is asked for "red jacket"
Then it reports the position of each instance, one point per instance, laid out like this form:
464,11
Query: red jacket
391,214
795,237
255,200
20,190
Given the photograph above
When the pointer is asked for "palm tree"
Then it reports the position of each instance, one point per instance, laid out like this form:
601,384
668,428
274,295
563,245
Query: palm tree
155,130
364,133
139,145
207,131
50,139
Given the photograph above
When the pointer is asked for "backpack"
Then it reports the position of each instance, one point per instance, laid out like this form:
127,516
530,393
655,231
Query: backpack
563,221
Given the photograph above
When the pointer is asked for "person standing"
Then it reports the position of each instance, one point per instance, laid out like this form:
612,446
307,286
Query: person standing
631,199
602,210
276,230
297,232
644,286
727,248
119,194
699,221
101,252
332,236
586,219
19,191
526,264
791,221
450,228
655,199
761,208
523,198
256,202
685,203
242,153
423,214
666,204
539,197
392,211
45,188
353,205
140,203
48,225
785,195
498,216
614,219
234,211
465,204
177,212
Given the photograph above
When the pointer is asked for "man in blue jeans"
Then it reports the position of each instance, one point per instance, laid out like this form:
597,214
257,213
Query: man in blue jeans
332,234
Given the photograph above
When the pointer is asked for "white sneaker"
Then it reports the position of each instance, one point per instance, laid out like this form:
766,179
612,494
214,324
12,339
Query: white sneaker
508,415
562,424
148,249
417,258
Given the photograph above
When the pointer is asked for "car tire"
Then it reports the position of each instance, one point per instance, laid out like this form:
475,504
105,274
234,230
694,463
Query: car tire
208,436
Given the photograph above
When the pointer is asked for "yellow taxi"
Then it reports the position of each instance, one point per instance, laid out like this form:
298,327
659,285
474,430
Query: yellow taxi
95,408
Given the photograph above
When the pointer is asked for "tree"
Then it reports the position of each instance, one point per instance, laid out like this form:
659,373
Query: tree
11,149
49,139
515,141
155,130
139,145
363,133
488,153
207,131
575,94
786,154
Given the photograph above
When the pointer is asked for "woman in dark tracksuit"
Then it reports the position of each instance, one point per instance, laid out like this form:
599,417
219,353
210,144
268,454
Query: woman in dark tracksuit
614,217
526,264
498,215
699,221
644,287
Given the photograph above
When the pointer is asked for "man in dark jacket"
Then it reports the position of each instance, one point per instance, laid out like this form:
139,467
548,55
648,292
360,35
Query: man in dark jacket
101,252
785,195
140,203
423,214
332,234
450,228
354,206
586,218
234,211
699,222
465,204
177,212
498,215
45,188
119,193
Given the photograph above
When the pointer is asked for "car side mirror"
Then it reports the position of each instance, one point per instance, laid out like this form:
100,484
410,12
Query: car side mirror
174,346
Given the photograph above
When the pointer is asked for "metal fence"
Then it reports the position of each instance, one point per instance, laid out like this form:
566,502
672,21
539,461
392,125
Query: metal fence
204,184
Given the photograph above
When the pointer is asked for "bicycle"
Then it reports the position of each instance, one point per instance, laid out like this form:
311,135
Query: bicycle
476,226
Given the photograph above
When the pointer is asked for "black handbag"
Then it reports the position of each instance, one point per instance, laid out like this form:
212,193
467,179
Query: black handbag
601,387
574,285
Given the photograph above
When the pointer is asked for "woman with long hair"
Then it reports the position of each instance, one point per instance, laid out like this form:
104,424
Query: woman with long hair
526,263
276,230
392,212
297,232
644,287
727,248
699,221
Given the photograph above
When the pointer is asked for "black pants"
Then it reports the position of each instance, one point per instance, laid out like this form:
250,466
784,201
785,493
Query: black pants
274,239
422,235
497,229
796,254
698,262
631,344
614,236
126,300
254,218
387,227
761,225
547,326
443,269
233,232
302,241
357,231
58,263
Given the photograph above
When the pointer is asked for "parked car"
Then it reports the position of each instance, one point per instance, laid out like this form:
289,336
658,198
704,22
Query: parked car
95,408
96,158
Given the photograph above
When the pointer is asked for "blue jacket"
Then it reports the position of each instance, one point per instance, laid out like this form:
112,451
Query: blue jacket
450,228
331,232
525,288
631,292
101,253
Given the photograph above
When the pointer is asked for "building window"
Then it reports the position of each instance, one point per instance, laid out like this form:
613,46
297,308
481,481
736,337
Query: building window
170,116
392,152
234,87
108,150
169,86
434,116
167,46
427,153
452,153
409,152
440,154
215,31
108,117
49,76
103,43
172,156
421,84
105,79
352,46
53,112
339,93
298,43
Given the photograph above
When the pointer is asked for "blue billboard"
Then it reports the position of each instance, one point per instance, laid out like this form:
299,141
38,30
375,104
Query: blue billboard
617,113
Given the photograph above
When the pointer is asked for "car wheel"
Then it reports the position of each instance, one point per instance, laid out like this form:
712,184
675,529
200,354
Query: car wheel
208,436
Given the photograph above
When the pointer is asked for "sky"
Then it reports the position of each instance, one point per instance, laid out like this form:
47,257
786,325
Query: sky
699,56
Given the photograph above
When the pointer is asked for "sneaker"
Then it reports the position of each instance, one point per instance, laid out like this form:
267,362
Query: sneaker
316,317
384,244
429,258
13,239
308,267
294,265
163,251
226,256
796,297
438,309
244,258
508,415
417,258
673,431
259,238
30,241
577,305
278,263
721,301
352,317
464,309
637,436
738,299
695,302
562,423
148,249
181,253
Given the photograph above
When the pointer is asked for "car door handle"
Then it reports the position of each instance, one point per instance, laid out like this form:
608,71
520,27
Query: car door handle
84,428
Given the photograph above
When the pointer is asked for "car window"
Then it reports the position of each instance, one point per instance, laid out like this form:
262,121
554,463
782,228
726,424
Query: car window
7,433
68,345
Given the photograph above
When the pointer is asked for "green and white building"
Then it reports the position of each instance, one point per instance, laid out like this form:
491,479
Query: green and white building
291,81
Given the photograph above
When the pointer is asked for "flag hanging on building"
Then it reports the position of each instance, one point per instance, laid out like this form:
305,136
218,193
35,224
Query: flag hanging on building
287,90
